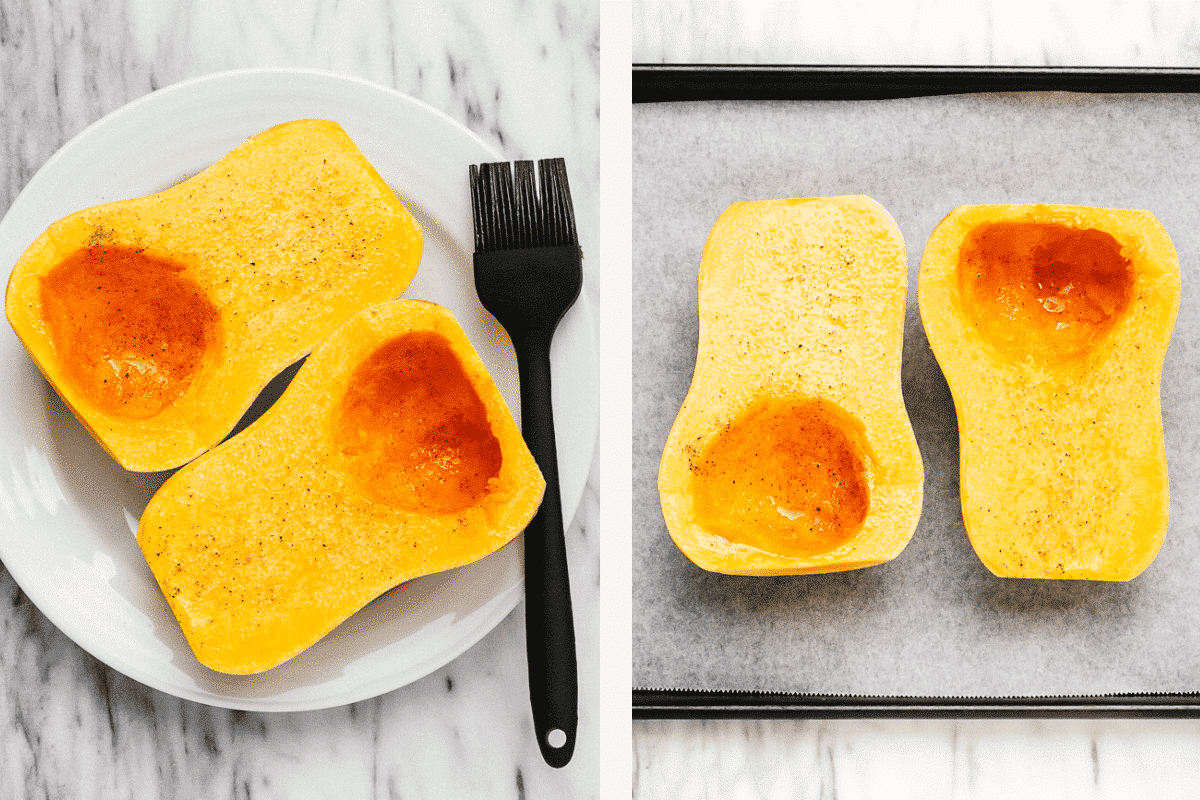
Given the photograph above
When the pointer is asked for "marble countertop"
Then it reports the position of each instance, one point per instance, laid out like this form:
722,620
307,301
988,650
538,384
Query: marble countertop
525,78
929,32
901,758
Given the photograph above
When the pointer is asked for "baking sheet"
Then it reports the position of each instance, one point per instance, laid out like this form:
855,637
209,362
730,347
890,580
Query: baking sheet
934,622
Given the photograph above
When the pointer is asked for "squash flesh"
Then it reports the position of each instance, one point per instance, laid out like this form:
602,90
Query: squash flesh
1063,469
266,543
801,308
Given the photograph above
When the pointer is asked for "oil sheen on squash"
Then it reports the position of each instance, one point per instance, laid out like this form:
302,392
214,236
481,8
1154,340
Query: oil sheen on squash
132,331
788,476
414,430
1043,288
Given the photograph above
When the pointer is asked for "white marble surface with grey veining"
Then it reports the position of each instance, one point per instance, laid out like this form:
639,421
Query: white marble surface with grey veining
524,76
944,32
917,758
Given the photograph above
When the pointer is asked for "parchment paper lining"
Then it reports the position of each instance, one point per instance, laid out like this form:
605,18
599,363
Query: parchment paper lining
934,622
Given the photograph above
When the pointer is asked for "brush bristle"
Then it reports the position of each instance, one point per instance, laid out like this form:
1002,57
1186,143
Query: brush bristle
517,214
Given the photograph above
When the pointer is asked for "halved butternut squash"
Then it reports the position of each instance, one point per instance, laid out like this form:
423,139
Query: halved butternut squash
391,455
1051,323
159,319
792,452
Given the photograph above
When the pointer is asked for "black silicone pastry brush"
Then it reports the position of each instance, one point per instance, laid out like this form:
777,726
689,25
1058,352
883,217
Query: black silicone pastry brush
528,272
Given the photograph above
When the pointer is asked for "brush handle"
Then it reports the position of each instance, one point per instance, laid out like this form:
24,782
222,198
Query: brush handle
549,627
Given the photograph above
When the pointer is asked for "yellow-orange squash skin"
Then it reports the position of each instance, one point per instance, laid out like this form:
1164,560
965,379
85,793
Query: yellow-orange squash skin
1051,324
391,455
159,319
792,452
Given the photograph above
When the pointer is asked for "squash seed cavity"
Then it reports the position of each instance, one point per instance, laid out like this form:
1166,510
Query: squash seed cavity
134,330
1043,289
412,429
788,476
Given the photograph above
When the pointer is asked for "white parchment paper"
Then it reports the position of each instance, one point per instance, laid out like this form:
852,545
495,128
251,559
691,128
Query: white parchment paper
933,622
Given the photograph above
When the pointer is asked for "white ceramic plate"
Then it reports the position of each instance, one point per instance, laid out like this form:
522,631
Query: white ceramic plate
68,513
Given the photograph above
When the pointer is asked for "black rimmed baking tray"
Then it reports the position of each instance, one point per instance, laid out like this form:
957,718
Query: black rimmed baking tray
931,633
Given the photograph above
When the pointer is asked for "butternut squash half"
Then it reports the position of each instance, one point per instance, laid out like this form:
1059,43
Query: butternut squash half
1050,324
159,319
792,452
391,455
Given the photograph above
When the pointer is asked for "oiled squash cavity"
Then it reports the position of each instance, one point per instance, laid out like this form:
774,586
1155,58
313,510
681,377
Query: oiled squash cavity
413,430
132,331
1043,289
788,476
